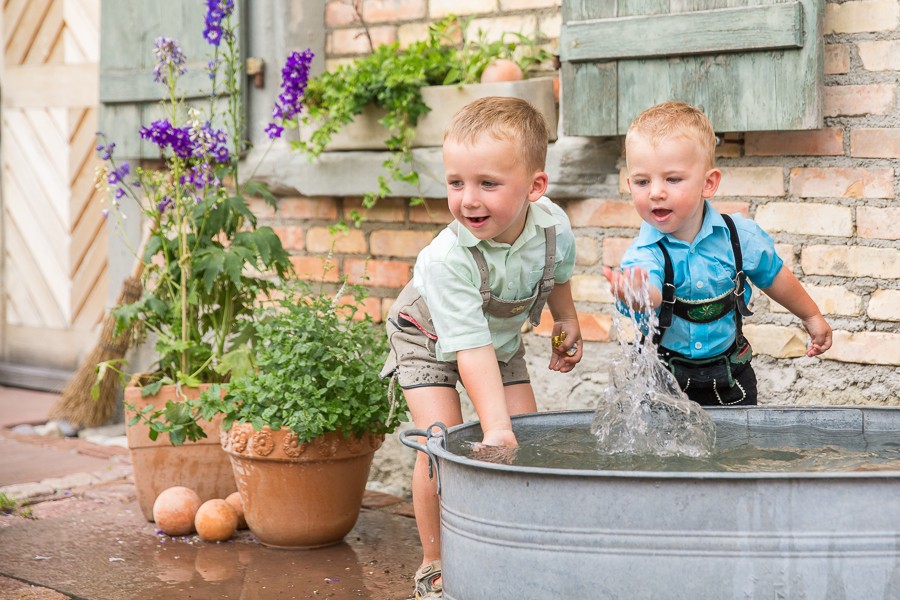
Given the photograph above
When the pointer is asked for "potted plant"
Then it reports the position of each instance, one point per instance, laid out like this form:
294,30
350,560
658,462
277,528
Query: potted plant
302,426
400,98
205,264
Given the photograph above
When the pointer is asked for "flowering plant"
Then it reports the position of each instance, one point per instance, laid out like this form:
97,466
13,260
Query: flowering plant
205,261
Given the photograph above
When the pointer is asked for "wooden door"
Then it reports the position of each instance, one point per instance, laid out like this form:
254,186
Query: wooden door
53,235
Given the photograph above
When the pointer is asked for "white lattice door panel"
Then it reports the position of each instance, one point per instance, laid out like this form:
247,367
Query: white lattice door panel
54,287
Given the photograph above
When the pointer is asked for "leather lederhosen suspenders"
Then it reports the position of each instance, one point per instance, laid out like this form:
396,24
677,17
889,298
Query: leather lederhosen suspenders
710,310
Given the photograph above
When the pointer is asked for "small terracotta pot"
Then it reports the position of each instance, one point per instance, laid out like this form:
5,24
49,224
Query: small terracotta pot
158,465
299,495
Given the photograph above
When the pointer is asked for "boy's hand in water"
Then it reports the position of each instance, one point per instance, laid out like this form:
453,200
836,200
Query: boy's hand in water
636,279
497,446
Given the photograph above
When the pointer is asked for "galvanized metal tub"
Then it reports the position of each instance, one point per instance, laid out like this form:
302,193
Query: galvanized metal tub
524,532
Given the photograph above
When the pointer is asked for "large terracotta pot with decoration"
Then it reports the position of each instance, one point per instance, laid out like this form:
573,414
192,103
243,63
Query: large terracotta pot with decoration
158,465
299,495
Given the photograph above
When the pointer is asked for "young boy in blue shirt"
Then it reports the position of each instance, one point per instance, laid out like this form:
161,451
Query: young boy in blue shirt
508,252
695,262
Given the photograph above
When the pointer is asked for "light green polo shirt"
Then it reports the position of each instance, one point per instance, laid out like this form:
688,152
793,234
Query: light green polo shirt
447,278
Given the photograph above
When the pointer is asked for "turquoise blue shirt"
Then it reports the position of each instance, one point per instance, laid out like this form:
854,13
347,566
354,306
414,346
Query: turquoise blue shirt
703,270
447,278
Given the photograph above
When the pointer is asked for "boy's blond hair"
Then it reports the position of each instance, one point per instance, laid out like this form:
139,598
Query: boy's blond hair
503,118
672,119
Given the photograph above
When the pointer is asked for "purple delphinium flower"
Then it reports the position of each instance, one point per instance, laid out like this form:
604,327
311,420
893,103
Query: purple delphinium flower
168,56
165,203
294,77
216,12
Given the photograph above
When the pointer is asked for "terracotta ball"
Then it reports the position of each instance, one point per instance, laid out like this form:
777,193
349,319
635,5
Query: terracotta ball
501,69
174,510
238,505
216,520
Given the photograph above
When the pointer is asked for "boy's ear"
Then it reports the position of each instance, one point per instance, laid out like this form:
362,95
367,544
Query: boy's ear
538,186
711,184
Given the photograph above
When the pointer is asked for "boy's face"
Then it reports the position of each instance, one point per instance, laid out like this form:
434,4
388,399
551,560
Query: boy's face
489,187
668,183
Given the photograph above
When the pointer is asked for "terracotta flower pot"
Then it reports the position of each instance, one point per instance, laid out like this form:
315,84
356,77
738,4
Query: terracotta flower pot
158,465
299,495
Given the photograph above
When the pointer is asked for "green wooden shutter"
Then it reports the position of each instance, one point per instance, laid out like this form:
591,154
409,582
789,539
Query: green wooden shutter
750,64
129,96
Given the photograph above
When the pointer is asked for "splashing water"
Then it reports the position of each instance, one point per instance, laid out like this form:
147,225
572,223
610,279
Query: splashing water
643,411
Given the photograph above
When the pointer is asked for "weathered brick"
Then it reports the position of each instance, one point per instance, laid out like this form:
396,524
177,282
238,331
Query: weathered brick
752,181
370,306
815,182
806,219
386,304
377,273
315,268
730,207
526,4
831,300
878,223
880,55
260,208
591,288
409,33
786,252
875,143
884,305
851,261
837,59
857,100
861,17
388,11
495,28
587,250
339,13
445,8
355,41
403,244
291,237
613,249
596,212
818,142
322,241
386,210
776,341
865,347
432,211
307,208
550,27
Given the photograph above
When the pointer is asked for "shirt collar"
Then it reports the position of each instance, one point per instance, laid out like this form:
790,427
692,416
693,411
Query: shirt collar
649,235
537,219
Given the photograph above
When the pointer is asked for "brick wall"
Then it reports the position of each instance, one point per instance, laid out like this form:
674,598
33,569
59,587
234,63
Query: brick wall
828,197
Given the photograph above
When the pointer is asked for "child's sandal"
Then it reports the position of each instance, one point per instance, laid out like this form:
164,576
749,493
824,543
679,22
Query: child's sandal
428,584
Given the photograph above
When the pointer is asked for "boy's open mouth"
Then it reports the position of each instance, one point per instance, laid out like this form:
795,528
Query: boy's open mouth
661,213
477,219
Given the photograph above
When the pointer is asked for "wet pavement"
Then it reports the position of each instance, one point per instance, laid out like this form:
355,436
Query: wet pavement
78,533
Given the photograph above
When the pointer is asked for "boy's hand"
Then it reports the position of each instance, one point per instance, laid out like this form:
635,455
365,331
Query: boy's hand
497,446
568,351
819,334
634,277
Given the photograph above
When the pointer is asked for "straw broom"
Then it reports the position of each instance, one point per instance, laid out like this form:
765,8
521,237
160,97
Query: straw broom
76,404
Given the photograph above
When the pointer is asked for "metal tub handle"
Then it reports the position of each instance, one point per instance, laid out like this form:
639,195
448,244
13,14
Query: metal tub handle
406,438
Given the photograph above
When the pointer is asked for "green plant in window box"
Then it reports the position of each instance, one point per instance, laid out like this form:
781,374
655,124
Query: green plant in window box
392,78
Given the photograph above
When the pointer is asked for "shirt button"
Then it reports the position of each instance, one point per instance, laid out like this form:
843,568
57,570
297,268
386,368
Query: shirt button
699,284
698,345
509,285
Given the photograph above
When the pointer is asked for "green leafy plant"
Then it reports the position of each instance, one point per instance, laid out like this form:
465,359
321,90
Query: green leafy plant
392,78
313,373
206,263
